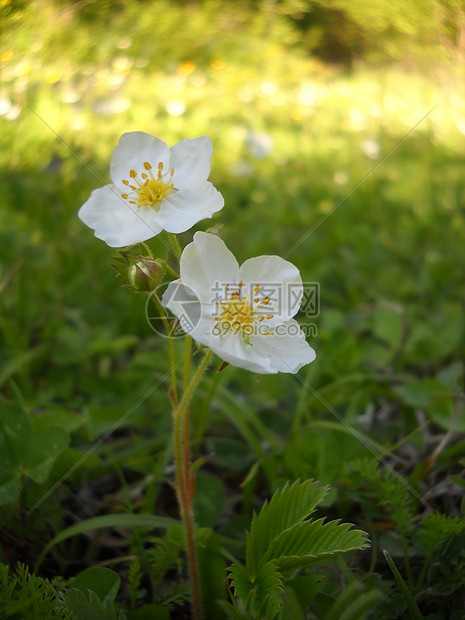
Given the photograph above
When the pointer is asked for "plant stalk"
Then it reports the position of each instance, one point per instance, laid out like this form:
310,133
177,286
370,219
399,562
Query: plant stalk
184,480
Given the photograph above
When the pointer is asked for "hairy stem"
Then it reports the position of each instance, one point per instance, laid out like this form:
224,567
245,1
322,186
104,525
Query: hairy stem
185,481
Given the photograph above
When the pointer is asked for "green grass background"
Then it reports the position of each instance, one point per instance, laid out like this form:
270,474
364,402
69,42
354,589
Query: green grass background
293,136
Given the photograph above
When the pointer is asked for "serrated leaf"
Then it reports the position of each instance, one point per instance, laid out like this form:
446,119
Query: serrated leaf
259,593
240,580
267,594
48,446
311,542
286,508
232,612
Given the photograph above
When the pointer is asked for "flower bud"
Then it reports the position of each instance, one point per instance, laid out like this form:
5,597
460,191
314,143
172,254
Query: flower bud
146,273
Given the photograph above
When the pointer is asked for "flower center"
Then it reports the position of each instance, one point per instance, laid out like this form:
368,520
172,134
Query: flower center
147,190
241,315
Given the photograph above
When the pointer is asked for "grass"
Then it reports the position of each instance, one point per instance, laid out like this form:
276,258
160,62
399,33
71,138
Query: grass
292,139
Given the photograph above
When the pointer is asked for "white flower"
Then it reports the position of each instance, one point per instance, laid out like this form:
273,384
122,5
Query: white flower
244,314
154,188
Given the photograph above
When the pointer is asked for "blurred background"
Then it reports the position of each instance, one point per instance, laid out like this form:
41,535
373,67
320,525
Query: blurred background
301,99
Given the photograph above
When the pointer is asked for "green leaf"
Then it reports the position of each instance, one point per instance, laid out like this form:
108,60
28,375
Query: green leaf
103,581
15,436
10,486
88,606
363,604
261,593
124,521
388,324
57,417
286,508
47,447
233,613
414,611
240,580
306,588
354,602
268,588
310,542
431,394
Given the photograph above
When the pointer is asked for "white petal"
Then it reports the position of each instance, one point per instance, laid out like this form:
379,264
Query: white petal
133,150
287,350
116,222
231,348
279,280
181,210
191,161
205,263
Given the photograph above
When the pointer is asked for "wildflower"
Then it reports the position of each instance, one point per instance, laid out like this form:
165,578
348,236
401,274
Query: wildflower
245,312
154,188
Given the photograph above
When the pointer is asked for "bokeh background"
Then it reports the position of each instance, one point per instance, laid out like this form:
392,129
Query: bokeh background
304,101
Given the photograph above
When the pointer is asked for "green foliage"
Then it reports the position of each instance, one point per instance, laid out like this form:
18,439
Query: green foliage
433,531
24,451
285,509
413,607
165,554
390,491
292,138
88,605
29,597
134,579
103,581
281,540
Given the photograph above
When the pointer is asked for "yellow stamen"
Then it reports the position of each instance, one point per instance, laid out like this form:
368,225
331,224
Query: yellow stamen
148,190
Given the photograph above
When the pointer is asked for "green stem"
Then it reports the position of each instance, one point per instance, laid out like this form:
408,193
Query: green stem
176,246
184,480
187,362
171,271
147,249
171,351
